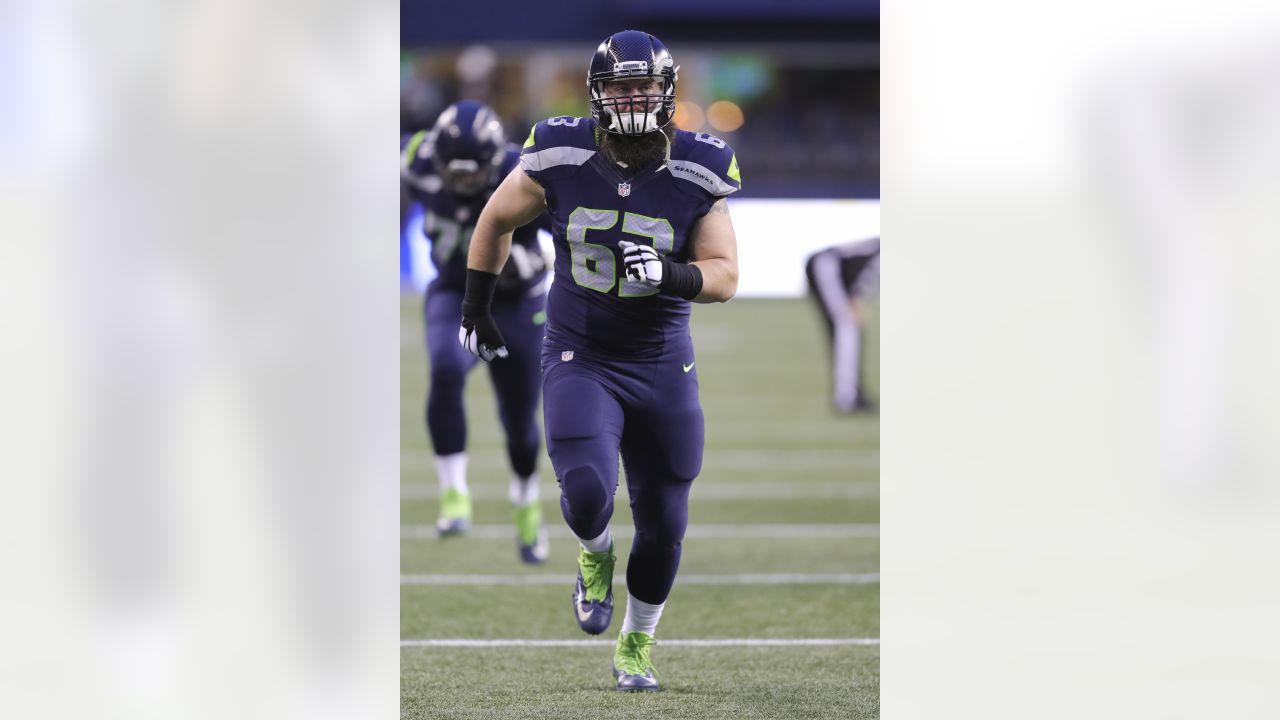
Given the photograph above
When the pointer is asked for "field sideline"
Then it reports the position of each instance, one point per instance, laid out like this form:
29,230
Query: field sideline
780,614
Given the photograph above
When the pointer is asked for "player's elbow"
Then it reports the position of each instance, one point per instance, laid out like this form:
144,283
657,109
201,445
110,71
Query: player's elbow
725,286
494,222
730,283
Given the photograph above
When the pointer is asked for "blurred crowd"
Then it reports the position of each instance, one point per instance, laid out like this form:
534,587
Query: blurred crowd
809,121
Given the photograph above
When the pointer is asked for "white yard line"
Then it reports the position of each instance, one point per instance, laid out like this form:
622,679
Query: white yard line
834,459
725,642
851,490
772,531
739,579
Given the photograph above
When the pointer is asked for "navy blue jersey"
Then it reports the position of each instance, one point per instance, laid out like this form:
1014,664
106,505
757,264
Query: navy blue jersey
449,220
592,306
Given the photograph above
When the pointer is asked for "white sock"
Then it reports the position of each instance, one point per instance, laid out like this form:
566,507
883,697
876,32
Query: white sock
452,470
598,544
641,616
523,491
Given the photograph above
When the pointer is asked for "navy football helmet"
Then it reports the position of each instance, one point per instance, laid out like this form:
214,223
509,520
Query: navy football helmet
468,146
629,56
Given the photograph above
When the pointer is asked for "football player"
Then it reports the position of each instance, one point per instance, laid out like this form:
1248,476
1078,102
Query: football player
452,170
641,229
839,278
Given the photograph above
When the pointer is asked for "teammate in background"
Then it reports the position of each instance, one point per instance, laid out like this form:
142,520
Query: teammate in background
452,170
641,228
839,278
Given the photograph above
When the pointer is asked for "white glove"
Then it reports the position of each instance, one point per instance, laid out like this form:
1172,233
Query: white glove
642,262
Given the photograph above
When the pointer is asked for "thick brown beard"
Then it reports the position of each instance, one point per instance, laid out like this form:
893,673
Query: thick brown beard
637,151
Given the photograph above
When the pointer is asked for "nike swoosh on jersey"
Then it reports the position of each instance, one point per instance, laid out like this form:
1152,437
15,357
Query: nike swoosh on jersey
688,367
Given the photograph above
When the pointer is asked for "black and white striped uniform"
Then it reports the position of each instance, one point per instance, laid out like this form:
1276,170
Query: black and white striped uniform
836,276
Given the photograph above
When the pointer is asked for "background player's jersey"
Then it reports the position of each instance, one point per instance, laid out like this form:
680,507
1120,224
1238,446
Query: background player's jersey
449,220
593,206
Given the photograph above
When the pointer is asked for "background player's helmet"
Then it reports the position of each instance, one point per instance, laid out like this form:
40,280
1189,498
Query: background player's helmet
468,146
632,54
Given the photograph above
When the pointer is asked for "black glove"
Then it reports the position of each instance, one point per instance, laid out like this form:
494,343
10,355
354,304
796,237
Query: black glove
479,334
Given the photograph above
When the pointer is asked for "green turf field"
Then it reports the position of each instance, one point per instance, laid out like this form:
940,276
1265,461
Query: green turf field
783,545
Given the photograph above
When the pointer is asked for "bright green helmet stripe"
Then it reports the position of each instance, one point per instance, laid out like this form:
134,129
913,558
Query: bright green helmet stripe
733,169
411,150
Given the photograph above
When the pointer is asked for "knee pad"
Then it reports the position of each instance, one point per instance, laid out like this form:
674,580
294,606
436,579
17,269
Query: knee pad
584,491
661,539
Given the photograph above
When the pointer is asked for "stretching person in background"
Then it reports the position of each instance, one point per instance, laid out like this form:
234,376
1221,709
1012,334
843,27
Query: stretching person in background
840,277
452,170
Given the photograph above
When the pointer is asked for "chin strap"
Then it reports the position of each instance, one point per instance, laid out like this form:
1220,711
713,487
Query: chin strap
666,154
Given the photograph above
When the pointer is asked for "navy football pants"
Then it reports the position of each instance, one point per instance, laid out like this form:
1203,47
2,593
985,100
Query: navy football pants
649,411
516,379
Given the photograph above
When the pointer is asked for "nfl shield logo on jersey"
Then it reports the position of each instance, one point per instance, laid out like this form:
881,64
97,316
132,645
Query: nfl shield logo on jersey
566,356
624,189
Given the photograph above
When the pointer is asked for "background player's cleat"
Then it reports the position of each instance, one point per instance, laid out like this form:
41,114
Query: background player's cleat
531,537
631,664
455,513
593,595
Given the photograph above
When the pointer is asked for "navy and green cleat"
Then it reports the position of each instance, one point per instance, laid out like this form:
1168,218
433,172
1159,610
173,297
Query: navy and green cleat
593,595
631,664
455,513
531,536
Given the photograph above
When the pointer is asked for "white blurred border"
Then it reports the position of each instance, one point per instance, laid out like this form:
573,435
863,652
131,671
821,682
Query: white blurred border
201,402
1078,475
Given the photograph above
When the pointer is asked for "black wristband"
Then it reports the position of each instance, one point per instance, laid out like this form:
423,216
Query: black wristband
479,294
681,279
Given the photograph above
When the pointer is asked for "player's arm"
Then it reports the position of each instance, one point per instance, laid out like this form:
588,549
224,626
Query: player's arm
711,275
516,202
713,248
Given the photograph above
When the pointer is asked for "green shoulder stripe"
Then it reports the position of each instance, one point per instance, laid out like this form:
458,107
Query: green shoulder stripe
733,169
411,150
529,142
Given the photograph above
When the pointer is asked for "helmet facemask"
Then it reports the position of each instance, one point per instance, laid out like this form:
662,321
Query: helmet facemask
634,114
465,177
468,147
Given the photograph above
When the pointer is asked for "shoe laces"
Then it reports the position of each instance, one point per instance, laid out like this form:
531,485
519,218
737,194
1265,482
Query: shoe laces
597,572
528,522
455,505
633,653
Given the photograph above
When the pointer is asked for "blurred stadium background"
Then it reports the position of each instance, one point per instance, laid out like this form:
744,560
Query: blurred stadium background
793,87
784,536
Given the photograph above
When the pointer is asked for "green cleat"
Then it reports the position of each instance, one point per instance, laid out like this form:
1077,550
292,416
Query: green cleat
531,537
455,513
593,593
631,664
